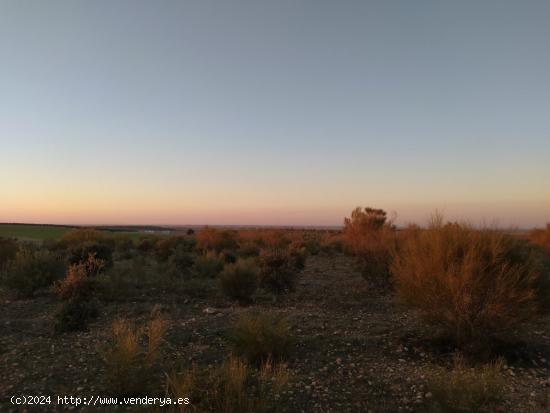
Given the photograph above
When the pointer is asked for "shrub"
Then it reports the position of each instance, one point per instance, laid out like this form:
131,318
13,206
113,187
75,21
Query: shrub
240,280
145,245
210,239
208,265
73,315
31,270
229,257
248,250
8,250
233,387
80,252
371,237
76,289
80,280
133,355
475,285
466,390
165,247
277,271
541,238
260,337
180,262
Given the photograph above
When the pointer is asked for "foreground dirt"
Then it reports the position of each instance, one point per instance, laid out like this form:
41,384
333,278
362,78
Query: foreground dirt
354,349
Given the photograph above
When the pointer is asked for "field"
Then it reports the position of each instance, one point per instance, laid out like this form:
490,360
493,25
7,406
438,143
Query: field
348,346
33,232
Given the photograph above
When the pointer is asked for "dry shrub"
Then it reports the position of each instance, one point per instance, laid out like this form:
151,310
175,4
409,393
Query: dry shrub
133,355
466,390
475,285
260,337
233,387
541,238
240,280
372,238
80,280
31,270
208,265
77,289
216,239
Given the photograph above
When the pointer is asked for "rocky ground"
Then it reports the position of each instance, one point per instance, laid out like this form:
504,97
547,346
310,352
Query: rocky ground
354,349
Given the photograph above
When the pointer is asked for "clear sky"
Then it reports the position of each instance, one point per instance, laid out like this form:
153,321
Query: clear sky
273,112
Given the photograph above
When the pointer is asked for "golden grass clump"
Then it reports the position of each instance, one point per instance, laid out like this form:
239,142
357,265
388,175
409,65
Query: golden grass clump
133,354
475,285
260,337
466,390
233,387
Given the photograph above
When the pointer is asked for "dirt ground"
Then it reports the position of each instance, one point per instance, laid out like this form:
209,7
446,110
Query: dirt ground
354,349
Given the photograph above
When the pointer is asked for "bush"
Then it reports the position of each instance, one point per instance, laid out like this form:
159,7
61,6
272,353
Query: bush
80,252
240,280
80,280
130,363
260,337
165,247
180,262
31,270
73,315
371,237
475,285
76,289
233,387
248,250
541,238
208,265
210,239
278,271
8,250
466,390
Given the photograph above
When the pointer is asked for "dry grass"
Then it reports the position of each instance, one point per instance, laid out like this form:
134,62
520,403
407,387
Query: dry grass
476,285
233,387
466,390
260,337
133,355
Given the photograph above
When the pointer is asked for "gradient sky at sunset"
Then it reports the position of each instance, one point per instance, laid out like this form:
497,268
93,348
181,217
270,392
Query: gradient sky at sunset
279,112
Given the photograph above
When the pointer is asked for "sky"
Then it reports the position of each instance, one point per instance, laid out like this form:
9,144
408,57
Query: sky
287,112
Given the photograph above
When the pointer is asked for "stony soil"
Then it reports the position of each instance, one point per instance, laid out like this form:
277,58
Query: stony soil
354,349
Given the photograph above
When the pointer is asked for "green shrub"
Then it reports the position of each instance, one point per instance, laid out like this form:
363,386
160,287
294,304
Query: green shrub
74,315
80,252
278,272
180,262
476,286
8,251
248,250
466,390
165,247
208,265
260,337
240,280
31,270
